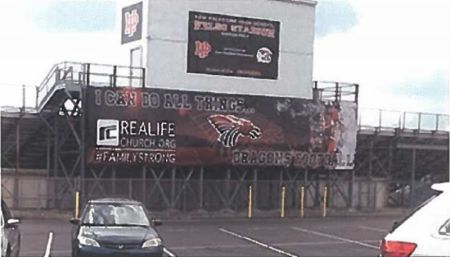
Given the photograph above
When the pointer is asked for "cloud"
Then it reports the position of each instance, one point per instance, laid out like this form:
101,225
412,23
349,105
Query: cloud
394,45
74,16
435,86
398,51
334,16
28,51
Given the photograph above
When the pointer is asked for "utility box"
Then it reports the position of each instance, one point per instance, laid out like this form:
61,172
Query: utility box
258,47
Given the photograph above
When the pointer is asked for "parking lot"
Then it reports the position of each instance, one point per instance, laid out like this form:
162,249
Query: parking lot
331,236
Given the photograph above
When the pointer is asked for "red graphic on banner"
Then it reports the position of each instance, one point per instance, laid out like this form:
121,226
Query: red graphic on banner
202,49
131,22
230,128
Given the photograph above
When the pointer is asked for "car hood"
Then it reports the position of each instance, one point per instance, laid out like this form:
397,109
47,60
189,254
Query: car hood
118,235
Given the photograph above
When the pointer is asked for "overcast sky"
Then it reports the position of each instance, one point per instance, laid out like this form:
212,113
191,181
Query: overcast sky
397,50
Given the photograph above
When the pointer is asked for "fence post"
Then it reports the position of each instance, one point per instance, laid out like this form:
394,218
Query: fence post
77,204
302,201
88,74
404,120
283,199
114,76
250,203
143,77
419,121
37,97
23,97
325,194
379,118
437,122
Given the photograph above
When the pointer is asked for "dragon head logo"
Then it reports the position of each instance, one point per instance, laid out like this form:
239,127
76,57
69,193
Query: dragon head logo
230,128
202,49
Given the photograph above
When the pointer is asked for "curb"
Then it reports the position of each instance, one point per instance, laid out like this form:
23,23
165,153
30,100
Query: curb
175,215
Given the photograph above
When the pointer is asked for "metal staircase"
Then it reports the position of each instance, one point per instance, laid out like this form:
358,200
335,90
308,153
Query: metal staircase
28,134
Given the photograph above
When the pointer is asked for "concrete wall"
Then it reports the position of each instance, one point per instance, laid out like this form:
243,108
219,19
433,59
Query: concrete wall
31,189
166,39
368,194
35,191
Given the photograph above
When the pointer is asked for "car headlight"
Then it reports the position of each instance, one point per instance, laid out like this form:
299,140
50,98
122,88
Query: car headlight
154,242
86,241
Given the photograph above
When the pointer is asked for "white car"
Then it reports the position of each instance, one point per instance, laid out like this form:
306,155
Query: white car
425,232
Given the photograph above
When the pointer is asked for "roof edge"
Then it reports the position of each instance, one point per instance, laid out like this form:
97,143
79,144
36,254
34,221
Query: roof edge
305,2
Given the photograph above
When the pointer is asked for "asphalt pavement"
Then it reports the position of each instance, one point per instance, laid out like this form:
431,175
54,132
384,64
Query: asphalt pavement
331,236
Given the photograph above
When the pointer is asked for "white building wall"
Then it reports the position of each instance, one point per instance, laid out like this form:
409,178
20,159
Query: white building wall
165,41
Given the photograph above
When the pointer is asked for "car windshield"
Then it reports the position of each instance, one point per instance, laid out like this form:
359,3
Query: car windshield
115,215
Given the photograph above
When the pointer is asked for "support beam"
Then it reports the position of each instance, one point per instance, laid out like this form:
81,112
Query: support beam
423,147
18,146
173,188
255,188
16,178
200,189
157,179
83,112
55,161
351,189
413,178
144,186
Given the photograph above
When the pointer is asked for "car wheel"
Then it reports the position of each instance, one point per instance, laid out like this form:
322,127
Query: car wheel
8,251
74,253
18,247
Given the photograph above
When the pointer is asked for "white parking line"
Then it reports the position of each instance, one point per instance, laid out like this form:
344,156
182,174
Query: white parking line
257,243
222,246
171,254
49,245
334,237
319,243
182,230
375,229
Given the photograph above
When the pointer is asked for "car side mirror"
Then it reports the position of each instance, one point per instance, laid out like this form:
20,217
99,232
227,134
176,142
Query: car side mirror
12,223
157,222
75,221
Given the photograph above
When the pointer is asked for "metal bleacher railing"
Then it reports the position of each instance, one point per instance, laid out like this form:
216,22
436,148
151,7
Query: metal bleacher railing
378,119
30,99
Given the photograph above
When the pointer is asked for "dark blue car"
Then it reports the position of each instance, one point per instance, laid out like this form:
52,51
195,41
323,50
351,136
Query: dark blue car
115,227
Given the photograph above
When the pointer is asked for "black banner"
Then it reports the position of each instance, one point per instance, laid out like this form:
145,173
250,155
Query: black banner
233,46
131,23
155,126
